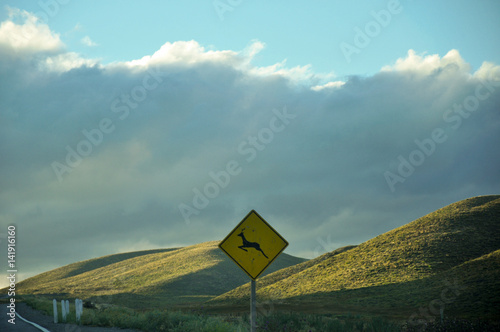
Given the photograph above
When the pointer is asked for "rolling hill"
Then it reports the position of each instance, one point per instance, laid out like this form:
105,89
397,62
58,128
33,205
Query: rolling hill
448,259
402,270
145,279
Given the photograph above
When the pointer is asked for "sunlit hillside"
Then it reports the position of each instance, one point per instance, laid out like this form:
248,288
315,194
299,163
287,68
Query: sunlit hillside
404,268
146,278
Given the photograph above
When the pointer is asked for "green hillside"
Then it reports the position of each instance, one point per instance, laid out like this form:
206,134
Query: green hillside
148,278
405,268
83,266
448,259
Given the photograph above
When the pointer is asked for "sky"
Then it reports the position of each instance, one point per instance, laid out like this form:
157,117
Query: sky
128,125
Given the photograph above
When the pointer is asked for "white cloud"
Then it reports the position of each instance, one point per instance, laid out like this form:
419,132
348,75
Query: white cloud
78,27
30,37
33,42
488,71
88,42
189,53
329,85
253,49
65,62
33,37
185,53
428,64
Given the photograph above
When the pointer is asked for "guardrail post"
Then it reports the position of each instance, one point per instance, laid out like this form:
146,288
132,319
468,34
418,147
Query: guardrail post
54,305
63,311
78,309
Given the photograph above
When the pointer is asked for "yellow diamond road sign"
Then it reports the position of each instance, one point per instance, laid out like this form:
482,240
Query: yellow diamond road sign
253,244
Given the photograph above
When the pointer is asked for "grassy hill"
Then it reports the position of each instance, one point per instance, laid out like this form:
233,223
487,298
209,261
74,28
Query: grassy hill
146,279
402,270
448,259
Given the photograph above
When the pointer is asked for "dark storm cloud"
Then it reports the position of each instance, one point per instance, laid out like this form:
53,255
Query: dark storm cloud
175,148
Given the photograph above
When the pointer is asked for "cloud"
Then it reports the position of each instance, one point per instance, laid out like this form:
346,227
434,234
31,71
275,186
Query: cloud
329,85
488,71
186,53
65,62
189,53
77,27
24,39
427,65
88,42
30,37
140,138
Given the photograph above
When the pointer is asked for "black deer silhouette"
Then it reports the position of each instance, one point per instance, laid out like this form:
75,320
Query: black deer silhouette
248,244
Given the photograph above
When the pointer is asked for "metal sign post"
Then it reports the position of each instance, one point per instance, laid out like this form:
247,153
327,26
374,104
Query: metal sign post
253,301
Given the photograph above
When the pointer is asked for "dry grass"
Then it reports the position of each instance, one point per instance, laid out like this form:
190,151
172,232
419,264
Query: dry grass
405,268
147,279
395,274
